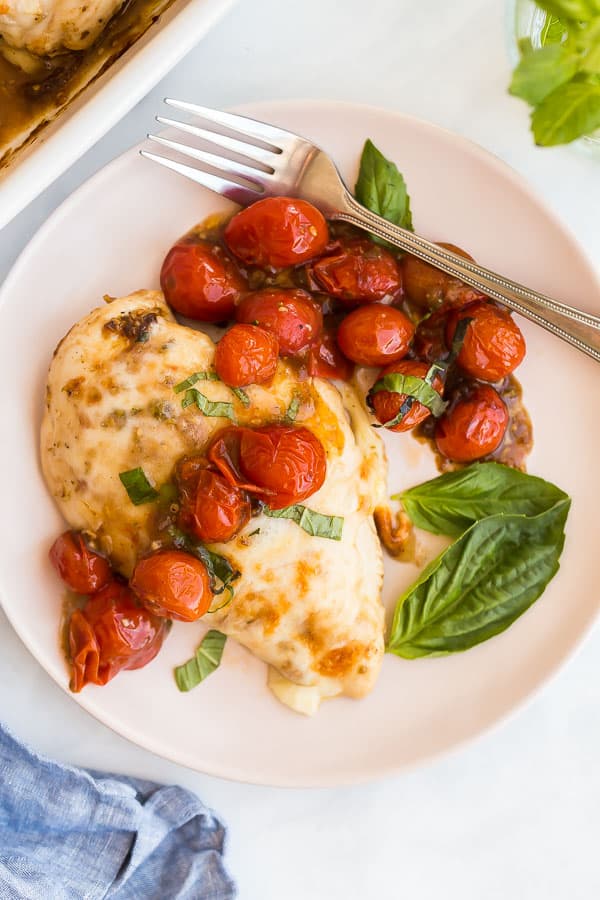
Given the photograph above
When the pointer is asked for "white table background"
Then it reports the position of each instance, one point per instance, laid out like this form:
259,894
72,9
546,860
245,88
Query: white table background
516,814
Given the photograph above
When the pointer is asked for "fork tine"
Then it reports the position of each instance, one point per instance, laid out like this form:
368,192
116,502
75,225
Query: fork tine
236,192
258,131
250,151
223,165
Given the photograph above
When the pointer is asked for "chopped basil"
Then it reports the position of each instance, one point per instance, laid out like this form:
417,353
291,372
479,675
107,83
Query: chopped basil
314,523
138,487
204,662
242,396
413,386
194,379
216,408
292,410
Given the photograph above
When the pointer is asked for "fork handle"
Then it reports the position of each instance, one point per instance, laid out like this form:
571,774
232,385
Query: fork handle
578,328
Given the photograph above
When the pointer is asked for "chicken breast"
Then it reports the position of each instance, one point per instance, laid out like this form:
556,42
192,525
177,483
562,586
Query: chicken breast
308,606
46,27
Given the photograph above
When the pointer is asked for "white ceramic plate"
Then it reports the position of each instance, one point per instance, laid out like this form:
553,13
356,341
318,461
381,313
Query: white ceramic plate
106,101
110,237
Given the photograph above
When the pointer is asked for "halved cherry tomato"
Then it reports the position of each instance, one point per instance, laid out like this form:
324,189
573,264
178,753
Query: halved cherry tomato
429,287
81,569
474,426
326,360
290,462
290,314
112,632
213,510
493,345
200,281
173,584
386,404
277,232
358,271
375,335
246,354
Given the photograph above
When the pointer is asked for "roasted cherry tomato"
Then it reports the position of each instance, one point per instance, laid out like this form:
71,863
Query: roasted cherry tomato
246,354
375,335
289,462
224,454
358,271
173,584
429,287
386,404
474,426
493,345
112,632
290,314
82,570
212,509
200,281
277,232
326,360
429,342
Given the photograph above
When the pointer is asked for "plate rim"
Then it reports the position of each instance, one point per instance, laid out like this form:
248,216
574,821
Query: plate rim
366,775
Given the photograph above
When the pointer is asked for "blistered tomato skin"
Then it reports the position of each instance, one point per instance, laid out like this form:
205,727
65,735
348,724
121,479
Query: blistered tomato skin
216,510
429,288
326,360
110,633
474,427
245,355
200,281
81,569
290,314
386,404
277,232
288,462
358,271
493,345
375,335
172,584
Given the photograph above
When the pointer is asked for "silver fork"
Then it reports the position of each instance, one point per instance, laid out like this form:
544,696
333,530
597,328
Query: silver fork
280,163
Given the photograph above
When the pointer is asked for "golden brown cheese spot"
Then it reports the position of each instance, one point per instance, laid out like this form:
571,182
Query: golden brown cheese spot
305,573
115,419
312,634
93,395
340,661
135,326
73,387
256,608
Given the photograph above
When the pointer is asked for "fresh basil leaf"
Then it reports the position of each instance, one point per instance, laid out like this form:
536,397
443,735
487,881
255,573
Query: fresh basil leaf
292,410
138,487
451,503
575,10
588,40
314,523
381,187
478,586
206,659
553,31
218,408
242,396
413,386
541,71
569,112
194,379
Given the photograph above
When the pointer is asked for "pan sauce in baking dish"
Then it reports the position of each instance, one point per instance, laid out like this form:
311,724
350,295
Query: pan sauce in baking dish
35,89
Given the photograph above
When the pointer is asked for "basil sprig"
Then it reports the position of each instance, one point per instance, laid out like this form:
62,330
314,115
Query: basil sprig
382,189
314,523
493,571
217,408
138,487
203,663
451,503
561,79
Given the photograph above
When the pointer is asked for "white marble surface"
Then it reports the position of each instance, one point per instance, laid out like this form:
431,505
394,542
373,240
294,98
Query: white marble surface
516,814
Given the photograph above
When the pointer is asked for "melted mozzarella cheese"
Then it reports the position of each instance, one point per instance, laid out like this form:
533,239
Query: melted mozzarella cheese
310,607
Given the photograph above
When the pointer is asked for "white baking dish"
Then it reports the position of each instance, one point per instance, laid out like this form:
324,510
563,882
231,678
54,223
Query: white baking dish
105,101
